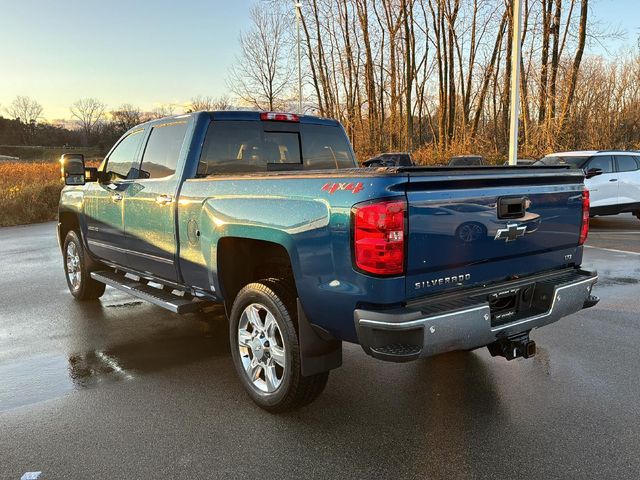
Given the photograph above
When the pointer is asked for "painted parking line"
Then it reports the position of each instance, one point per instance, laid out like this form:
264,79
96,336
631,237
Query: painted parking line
31,476
613,250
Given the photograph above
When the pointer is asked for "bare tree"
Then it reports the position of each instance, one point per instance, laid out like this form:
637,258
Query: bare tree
209,104
164,110
222,103
126,116
25,109
260,76
573,77
200,103
88,112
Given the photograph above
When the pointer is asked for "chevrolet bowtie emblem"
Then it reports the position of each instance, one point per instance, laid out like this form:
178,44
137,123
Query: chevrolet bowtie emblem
512,232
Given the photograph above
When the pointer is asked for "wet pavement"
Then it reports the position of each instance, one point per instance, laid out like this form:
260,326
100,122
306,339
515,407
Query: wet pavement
121,389
620,232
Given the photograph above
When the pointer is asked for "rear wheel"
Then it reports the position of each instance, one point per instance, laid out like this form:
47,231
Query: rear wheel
265,348
77,270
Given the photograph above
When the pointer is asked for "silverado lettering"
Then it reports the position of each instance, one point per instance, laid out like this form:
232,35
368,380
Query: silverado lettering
457,279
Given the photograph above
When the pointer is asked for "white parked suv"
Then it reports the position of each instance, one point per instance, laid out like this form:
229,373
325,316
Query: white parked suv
617,190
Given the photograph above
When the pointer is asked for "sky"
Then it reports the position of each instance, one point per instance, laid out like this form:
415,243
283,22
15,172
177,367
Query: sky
140,52
152,52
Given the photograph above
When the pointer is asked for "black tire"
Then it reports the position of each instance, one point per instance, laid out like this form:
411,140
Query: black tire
637,214
294,390
83,287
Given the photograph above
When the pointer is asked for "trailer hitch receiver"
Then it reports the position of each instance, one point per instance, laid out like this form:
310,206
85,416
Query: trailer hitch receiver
513,347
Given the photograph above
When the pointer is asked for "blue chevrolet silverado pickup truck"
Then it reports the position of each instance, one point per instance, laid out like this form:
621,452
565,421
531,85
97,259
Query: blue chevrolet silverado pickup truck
268,214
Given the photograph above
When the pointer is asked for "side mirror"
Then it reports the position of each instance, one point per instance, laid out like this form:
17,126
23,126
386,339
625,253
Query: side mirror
593,172
72,168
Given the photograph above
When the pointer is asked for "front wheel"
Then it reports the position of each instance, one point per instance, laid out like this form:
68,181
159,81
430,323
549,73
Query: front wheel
265,348
76,269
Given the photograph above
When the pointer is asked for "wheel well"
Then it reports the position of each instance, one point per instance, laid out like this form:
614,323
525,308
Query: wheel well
244,260
68,221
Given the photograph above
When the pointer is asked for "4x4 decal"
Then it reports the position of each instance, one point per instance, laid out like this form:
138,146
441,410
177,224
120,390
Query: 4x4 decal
334,187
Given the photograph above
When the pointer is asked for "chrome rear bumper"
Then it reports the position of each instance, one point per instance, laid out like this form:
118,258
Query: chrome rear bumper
468,321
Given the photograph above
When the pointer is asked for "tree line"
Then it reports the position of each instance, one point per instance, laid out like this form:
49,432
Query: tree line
427,76
93,123
433,76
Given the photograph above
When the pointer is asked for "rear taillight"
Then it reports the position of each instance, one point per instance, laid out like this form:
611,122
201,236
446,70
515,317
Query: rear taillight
379,235
279,117
584,230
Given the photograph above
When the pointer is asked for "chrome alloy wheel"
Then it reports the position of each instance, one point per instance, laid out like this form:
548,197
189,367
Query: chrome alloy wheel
74,272
261,347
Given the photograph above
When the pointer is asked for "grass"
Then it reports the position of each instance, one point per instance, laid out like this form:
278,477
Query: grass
29,192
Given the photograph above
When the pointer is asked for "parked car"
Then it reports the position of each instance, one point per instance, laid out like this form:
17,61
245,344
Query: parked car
389,160
522,162
616,189
467,161
267,214
467,222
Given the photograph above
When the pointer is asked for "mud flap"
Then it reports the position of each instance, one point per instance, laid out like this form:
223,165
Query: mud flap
319,351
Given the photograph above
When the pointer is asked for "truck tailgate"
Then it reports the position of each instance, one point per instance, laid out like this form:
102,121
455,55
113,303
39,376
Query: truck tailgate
479,226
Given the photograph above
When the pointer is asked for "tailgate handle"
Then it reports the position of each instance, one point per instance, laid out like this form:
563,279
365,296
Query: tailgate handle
512,207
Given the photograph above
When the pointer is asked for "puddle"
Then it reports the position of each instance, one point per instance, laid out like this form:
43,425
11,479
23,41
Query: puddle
44,377
33,380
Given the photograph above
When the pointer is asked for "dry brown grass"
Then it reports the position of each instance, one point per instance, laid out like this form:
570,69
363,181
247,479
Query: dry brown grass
29,192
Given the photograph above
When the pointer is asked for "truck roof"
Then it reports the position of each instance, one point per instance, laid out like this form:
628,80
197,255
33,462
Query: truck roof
239,115
254,115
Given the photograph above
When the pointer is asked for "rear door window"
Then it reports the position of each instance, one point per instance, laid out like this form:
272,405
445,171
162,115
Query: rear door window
163,150
605,163
626,163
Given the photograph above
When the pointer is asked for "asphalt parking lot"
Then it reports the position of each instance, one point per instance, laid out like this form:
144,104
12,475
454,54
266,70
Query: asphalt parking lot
122,389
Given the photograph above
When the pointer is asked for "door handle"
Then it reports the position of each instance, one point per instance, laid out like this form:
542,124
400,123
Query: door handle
116,197
613,179
164,199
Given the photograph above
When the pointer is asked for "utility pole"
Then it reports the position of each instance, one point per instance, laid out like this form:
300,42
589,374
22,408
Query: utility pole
516,6
298,17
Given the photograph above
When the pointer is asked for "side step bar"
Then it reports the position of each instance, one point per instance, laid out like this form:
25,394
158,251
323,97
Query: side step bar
158,296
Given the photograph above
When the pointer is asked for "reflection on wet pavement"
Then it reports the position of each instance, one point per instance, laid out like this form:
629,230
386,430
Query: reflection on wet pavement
87,370
43,377
125,304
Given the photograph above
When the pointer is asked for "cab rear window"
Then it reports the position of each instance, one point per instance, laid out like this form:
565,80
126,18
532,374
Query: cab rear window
233,147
